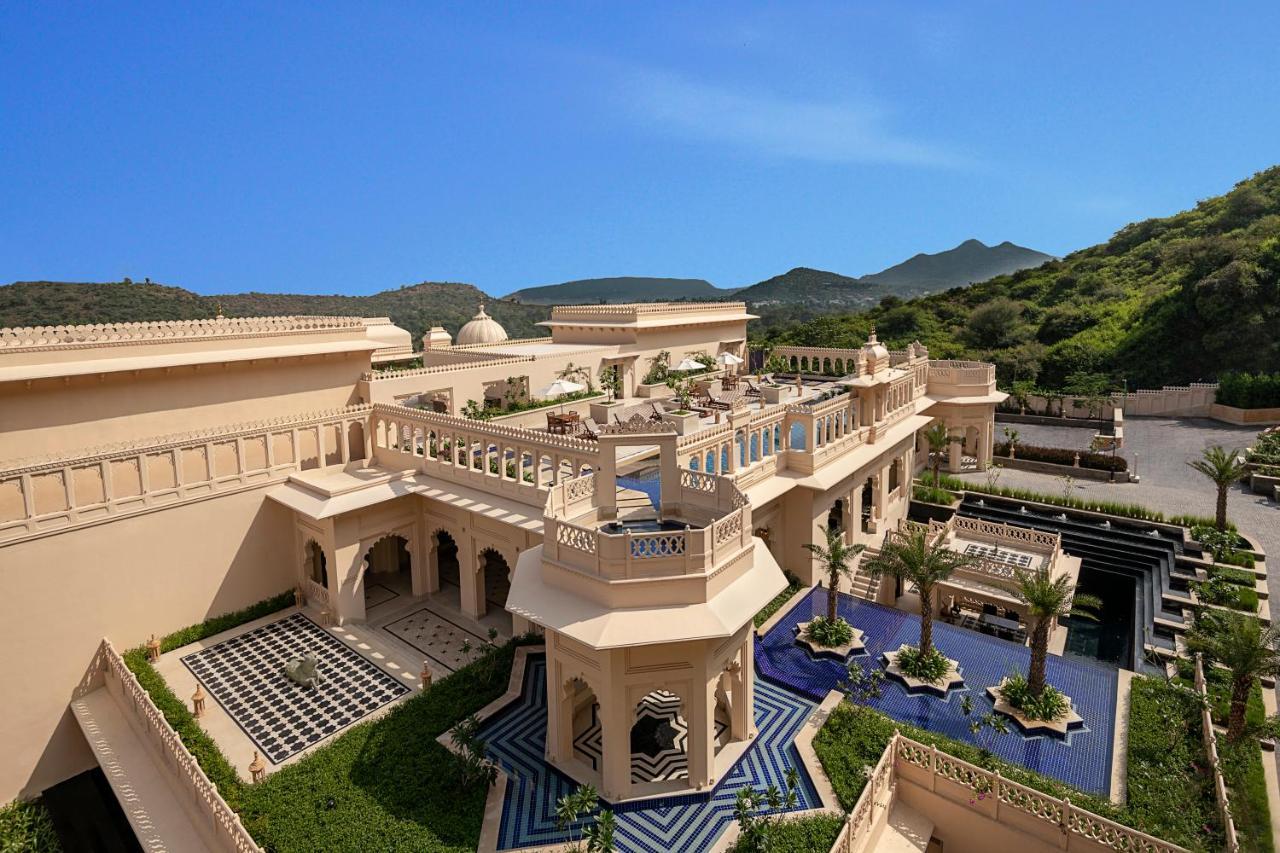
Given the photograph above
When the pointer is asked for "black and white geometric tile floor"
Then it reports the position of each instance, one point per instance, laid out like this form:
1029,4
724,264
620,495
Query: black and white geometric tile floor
245,676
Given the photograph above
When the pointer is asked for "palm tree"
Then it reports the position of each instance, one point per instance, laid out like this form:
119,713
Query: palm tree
1250,651
1047,600
835,557
1224,468
937,436
913,558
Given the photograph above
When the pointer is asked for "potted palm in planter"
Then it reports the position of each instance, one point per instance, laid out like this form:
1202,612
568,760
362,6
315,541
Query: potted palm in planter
832,633
1030,700
913,558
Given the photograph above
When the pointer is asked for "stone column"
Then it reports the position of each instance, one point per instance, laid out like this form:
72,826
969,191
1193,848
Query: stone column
954,449
467,571
616,717
699,711
348,603
983,451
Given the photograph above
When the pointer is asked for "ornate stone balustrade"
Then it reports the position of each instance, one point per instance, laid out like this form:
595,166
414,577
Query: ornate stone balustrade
167,331
43,495
980,793
632,312
1025,537
825,360
962,373
314,592
491,457
207,804
630,555
435,370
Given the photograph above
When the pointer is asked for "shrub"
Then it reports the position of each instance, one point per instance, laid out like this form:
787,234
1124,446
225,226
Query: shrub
854,737
793,586
25,827
1225,593
1049,705
927,667
1242,771
1065,456
814,833
218,624
1249,390
1124,510
1168,794
829,633
933,495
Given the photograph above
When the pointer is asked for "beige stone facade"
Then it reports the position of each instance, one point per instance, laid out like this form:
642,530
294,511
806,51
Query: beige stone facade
156,474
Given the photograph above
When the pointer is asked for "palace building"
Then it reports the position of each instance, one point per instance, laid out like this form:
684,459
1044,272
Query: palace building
153,475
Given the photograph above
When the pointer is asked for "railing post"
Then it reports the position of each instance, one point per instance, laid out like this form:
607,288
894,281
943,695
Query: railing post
933,767
1065,826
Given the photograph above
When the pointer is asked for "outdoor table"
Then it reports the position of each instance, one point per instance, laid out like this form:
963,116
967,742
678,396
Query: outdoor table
1001,622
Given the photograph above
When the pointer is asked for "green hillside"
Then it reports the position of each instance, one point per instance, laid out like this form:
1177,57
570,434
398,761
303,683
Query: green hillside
1176,299
620,289
413,307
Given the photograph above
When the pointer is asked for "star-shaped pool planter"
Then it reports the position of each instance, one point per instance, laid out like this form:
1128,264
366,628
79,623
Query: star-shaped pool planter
1060,727
950,680
855,645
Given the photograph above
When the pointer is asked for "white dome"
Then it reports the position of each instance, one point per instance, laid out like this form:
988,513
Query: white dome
482,329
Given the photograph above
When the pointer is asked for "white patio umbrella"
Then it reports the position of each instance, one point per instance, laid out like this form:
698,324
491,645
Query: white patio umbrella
559,388
728,359
688,364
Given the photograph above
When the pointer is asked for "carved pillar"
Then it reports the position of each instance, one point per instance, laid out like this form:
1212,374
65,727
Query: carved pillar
954,448
699,711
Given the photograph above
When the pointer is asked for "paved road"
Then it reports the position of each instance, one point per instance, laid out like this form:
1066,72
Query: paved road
1158,450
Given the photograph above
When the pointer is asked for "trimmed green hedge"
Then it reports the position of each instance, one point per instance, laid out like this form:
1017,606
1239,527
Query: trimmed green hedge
1249,390
25,827
855,736
175,710
1064,456
1121,509
385,784
1170,794
793,586
1242,771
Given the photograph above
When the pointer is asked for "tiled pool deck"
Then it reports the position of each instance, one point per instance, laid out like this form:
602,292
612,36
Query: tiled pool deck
1082,760
516,740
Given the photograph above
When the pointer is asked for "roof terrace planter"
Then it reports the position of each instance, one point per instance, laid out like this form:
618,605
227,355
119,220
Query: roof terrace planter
950,680
1060,726
686,422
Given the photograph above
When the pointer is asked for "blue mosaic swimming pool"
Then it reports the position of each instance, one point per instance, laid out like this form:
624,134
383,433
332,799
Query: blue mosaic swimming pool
1083,759
516,738
643,480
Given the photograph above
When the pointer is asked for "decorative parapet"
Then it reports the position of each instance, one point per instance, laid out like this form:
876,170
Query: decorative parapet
434,370
451,424
52,494
1053,822
150,722
630,312
175,440
166,331
959,374
584,545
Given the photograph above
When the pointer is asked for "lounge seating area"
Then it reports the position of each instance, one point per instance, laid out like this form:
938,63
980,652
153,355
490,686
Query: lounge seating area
1006,625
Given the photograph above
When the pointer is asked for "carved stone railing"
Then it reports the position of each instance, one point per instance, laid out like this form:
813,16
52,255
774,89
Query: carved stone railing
630,555
631,312
1040,540
1054,822
958,373
1220,793
47,494
435,370
166,331
222,821
314,592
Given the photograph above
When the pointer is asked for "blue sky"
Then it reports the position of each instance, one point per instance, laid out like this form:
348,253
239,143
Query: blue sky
353,147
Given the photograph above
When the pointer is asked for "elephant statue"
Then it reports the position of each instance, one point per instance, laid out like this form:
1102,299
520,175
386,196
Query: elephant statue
304,670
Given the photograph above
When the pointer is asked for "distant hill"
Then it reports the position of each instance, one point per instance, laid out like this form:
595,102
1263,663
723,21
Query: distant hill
971,261
413,307
803,285
1181,298
620,289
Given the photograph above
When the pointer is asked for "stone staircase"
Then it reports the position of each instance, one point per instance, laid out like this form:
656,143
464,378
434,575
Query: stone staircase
862,584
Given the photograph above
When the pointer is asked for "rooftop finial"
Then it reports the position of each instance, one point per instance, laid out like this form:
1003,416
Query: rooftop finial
871,338
219,317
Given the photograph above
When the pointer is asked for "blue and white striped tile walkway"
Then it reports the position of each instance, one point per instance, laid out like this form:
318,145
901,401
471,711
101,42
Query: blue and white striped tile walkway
516,740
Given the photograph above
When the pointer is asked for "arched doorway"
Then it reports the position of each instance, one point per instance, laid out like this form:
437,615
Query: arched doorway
494,585
316,565
868,501
580,707
835,515
445,555
389,571
659,739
